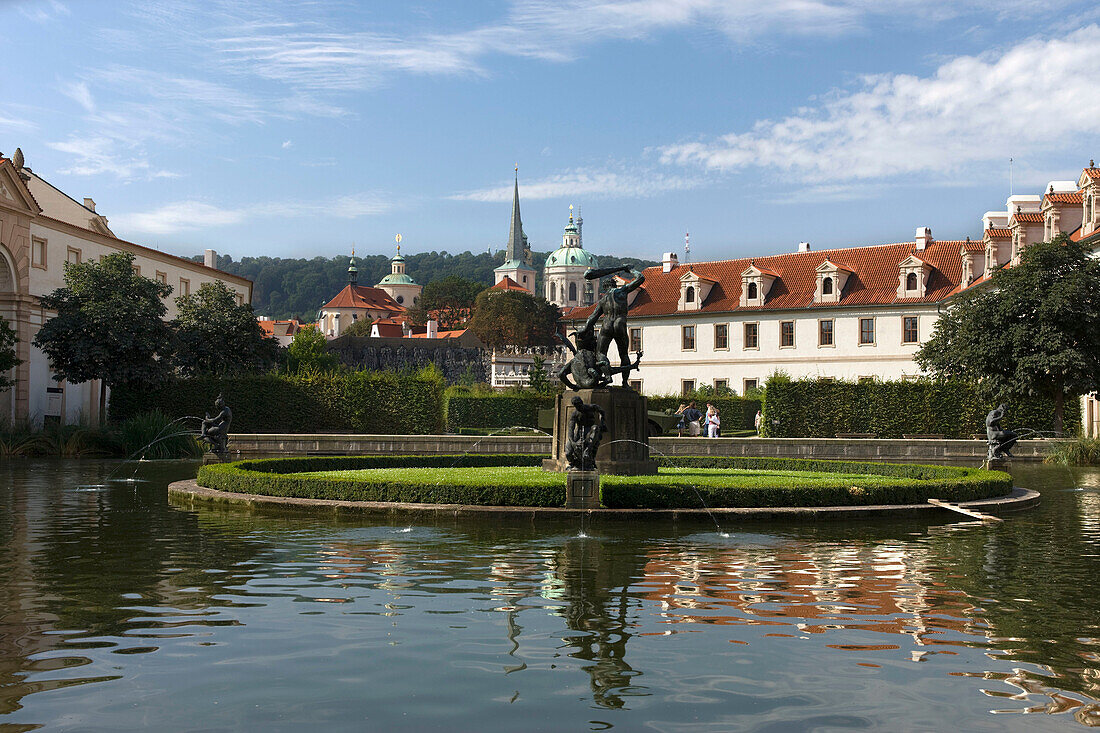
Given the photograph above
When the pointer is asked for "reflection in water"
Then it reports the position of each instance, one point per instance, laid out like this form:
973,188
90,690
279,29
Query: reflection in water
117,609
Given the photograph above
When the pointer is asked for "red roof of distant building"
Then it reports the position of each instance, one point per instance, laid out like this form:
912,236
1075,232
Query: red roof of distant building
280,328
363,296
1064,198
507,283
1092,172
873,280
971,245
441,334
1028,217
998,232
388,328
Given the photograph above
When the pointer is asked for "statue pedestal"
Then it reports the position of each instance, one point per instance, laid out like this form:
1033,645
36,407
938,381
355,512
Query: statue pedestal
582,490
996,464
624,450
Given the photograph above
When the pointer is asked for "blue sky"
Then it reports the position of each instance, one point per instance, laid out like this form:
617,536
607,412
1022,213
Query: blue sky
297,128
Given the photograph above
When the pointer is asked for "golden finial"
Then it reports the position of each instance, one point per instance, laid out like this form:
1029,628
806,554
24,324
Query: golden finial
570,213
353,249
517,167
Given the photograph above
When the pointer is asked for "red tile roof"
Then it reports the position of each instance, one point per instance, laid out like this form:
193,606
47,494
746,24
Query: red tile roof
388,328
363,296
1064,198
997,232
284,328
1092,172
874,279
441,334
508,283
971,245
1028,217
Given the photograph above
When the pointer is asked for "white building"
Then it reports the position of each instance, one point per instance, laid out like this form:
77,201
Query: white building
398,285
42,228
563,274
357,302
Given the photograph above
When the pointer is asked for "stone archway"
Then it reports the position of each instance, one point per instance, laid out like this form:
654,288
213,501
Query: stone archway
8,311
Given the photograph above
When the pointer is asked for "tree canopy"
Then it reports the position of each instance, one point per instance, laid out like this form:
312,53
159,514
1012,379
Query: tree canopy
512,318
216,336
1034,330
8,359
109,324
450,301
309,351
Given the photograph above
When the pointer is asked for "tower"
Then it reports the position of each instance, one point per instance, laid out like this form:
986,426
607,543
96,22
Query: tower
399,285
563,273
515,258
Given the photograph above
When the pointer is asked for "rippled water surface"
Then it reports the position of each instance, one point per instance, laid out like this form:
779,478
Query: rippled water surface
120,611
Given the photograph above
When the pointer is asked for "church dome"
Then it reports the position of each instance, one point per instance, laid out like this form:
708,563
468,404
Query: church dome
397,278
571,256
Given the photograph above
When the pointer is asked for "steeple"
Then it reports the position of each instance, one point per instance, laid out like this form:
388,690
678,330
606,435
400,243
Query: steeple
353,271
515,233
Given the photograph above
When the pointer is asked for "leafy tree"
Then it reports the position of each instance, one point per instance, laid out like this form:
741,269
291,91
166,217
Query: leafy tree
1034,331
309,351
449,301
216,336
8,359
360,327
109,325
512,318
540,381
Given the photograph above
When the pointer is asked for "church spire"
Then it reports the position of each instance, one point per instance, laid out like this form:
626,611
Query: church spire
353,271
515,233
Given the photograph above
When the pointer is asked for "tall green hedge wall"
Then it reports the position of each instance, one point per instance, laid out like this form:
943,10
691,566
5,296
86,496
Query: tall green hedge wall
810,408
357,402
737,413
469,410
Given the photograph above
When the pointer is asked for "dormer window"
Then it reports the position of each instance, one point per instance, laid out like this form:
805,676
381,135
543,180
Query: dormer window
694,289
689,295
755,286
831,279
913,275
753,292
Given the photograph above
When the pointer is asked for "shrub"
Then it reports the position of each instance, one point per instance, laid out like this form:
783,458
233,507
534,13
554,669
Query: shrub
1080,452
812,408
154,435
468,409
738,413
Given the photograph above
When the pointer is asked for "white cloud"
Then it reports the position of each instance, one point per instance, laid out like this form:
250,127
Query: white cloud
287,144
98,155
78,91
606,184
183,216
973,110
43,12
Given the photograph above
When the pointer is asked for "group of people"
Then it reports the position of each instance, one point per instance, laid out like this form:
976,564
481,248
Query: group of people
694,422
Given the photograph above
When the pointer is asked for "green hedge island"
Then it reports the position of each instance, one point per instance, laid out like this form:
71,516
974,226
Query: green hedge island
817,408
513,480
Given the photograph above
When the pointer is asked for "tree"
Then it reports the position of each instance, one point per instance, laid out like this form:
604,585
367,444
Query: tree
360,327
512,318
216,336
1035,330
449,301
309,350
8,359
540,381
109,325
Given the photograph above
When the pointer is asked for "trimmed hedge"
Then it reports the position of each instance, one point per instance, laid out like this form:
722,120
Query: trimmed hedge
355,402
736,412
494,411
880,483
810,408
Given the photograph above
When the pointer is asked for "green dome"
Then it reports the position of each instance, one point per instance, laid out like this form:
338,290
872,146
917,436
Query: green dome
397,278
571,256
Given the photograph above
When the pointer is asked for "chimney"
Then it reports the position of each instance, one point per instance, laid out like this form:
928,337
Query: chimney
924,237
669,261
89,204
209,258
433,329
803,246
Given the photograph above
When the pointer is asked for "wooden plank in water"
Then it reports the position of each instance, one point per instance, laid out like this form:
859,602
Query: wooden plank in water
967,512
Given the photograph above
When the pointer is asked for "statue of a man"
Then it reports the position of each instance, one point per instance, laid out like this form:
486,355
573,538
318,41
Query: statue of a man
1000,440
586,429
215,430
612,307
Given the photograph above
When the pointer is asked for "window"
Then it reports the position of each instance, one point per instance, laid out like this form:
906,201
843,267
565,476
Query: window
162,277
911,281
689,296
752,335
827,286
866,380
636,385
636,339
751,384
909,330
524,279
72,255
786,334
572,291
354,316
137,270
721,336
752,291
38,253
825,332
185,287
866,331
553,291
687,338
721,386
687,386
400,299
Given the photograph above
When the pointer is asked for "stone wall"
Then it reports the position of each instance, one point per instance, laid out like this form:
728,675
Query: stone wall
452,356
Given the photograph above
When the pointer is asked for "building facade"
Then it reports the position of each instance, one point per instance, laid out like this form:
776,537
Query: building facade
398,285
563,273
42,228
357,302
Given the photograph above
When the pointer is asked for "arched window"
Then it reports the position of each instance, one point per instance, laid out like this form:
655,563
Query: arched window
553,291
689,297
752,291
911,281
572,292
827,286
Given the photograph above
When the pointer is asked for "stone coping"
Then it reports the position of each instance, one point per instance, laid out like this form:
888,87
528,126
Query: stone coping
190,493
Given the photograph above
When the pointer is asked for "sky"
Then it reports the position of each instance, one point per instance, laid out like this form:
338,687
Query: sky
298,129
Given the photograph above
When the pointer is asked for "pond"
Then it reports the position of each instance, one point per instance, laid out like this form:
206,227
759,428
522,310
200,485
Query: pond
120,612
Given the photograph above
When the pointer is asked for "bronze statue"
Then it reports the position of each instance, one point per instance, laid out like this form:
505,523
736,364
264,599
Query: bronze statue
586,429
612,307
215,430
588,368
1000,440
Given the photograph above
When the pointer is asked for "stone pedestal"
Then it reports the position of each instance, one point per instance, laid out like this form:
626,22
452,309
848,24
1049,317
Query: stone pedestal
624,450
582,490
996,464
